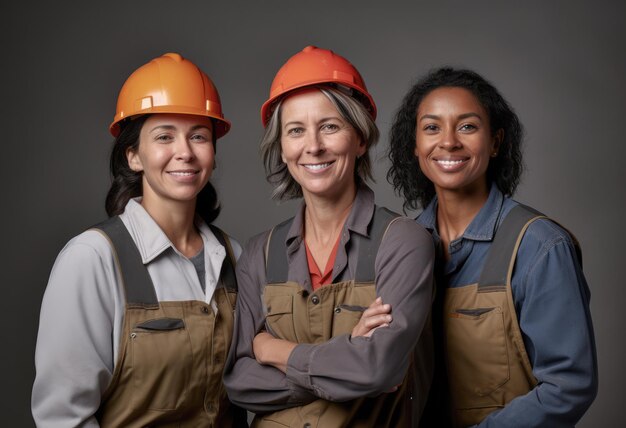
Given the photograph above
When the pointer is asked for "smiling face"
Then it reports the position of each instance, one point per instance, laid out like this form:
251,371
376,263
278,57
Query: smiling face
453,141
176,155
318,145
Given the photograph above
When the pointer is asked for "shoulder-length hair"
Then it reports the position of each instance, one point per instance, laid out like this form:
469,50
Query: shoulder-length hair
405,174
127,184
352,111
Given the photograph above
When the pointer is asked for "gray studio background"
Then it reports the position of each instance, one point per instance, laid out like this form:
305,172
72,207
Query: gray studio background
561,64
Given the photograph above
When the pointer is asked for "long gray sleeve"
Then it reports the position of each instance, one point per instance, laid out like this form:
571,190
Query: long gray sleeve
74,356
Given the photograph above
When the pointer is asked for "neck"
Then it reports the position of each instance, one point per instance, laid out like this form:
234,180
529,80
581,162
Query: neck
324,217
456,210
176,219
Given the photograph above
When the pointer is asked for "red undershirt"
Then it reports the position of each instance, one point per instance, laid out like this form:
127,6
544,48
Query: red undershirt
318,278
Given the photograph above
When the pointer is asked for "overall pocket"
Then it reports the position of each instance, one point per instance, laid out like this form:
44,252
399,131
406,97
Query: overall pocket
161,362
345,317
477,355
279,316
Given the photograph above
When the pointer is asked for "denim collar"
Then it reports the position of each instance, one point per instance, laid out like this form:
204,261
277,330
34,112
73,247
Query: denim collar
482,227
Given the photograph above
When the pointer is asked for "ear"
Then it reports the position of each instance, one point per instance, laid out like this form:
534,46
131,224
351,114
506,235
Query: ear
497,142
134,162
362,149
282,157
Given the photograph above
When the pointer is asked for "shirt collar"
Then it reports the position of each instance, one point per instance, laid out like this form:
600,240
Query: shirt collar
357,221
150,239
482,227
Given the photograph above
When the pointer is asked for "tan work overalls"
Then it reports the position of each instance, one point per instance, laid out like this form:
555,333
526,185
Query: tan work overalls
486,360
171,356
296,314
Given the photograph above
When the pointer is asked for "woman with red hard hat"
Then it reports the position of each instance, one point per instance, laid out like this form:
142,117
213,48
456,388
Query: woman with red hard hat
332,322
137,317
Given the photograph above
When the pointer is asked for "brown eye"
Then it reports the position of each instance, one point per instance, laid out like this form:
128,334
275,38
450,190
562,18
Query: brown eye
467,127
163,138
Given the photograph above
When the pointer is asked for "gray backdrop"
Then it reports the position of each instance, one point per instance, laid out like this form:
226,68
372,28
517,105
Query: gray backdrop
561,64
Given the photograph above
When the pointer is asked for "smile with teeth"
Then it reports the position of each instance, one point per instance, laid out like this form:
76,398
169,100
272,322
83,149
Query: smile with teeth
317,166
450,162
182,173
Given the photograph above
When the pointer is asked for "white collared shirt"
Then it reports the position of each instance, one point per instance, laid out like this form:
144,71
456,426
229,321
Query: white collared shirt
83,309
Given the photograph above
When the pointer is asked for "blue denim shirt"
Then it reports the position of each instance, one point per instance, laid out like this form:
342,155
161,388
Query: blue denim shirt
552,304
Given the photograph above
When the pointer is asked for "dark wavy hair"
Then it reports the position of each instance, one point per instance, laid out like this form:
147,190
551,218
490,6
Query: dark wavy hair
126,183
405,175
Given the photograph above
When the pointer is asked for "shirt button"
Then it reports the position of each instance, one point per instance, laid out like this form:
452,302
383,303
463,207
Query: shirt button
315,299
337,309
205,310
306,425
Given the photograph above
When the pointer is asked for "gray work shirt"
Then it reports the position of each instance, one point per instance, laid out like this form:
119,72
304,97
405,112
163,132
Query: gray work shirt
342,368
83,308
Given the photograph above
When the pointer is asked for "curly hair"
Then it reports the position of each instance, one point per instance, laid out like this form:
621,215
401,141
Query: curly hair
350,109
405,175
127,184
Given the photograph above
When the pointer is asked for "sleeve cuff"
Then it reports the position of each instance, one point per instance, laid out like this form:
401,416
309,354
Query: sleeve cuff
298,367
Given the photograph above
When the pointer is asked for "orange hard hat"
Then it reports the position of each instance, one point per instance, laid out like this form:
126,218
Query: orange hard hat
169,84
314,66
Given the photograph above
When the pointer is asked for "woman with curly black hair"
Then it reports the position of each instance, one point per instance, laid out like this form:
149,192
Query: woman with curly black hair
513,331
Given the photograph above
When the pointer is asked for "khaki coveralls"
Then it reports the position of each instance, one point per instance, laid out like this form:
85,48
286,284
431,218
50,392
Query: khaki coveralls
169,368
486,360
300,316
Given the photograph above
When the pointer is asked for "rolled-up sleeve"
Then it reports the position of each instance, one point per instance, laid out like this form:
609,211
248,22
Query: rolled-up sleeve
346,368
74,354
553,307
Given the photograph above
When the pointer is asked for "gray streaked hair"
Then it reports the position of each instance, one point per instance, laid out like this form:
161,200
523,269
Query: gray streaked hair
352,111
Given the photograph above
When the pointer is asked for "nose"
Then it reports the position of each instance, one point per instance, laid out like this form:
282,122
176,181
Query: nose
314,144
184,151
449,139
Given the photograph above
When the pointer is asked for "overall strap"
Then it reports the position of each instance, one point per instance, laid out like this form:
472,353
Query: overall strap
276,265
227,273
501,256
137,284
368,245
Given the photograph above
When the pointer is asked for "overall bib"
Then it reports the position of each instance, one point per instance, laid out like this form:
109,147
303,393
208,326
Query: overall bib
486,360
300,315
171,356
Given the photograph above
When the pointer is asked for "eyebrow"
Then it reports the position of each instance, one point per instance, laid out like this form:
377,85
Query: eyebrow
172,127
324,119
462,116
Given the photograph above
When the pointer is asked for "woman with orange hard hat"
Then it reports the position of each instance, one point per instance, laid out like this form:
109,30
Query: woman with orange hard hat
331,327
137,317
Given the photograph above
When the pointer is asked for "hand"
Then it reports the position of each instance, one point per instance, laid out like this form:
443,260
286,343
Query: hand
261,340
271,351
375,316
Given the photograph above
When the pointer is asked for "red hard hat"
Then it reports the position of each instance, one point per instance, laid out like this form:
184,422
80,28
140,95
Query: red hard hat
169,84
314,66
